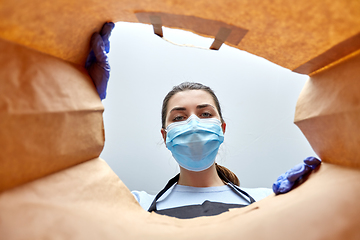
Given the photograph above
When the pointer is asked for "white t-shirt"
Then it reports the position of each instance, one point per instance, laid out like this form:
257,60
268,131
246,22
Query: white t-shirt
180,195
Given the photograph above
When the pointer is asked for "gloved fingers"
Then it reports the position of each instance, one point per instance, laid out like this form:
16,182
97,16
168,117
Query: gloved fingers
100,74
312,162
91,59
301,170
286,181
106,29
97,62
105,34
275,187
281,177
282,186
98,47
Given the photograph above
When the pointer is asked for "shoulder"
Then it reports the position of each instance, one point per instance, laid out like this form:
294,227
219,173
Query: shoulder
258,193
144,199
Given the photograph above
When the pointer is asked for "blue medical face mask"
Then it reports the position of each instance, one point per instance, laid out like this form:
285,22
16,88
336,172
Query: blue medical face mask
194,143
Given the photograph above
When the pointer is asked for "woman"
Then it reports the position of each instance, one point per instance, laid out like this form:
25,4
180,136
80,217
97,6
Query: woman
192,129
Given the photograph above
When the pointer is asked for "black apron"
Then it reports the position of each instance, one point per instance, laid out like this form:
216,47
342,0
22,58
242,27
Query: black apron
207,208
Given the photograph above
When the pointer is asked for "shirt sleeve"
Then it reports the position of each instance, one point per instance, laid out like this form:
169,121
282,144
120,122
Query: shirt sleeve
143,198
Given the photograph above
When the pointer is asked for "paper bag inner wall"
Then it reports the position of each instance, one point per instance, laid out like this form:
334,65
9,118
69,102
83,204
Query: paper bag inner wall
89,201
288,33
328,112
50,115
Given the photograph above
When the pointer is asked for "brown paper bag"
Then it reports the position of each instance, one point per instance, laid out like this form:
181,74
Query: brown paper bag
328,112
50,115
88,201
299,35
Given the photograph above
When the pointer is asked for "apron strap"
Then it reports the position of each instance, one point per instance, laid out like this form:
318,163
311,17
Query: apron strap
170,183
234,187
175,179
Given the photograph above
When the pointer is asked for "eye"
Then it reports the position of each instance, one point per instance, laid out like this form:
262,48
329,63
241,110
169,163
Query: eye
179,118
206,115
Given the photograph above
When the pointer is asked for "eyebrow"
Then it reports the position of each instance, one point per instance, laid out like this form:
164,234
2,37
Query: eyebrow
204,106
177,109
198,107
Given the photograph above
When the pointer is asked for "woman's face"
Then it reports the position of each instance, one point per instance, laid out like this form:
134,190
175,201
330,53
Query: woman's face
183,104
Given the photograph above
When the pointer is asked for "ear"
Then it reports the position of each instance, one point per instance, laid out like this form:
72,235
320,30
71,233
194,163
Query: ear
223,126
163,133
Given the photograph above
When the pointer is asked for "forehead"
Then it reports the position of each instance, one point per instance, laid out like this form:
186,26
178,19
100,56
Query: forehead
190,97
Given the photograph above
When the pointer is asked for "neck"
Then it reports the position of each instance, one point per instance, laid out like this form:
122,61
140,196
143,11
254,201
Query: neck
206,178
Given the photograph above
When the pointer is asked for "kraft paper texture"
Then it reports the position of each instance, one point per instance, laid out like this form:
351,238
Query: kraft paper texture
291,34
328,113
88,201
50,115
54,186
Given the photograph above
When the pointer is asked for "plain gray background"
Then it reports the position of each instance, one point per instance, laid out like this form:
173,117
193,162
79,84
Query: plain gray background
257,97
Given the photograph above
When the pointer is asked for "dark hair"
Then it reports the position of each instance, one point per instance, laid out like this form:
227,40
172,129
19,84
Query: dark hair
198,86
183,87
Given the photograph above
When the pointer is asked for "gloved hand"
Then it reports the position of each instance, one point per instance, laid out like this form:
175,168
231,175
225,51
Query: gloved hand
286,181
97,63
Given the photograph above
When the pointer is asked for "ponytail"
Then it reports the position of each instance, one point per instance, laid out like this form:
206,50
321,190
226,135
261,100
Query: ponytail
228,174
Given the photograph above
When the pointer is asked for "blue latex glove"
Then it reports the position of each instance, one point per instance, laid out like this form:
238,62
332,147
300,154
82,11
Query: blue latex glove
286,181
97,62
